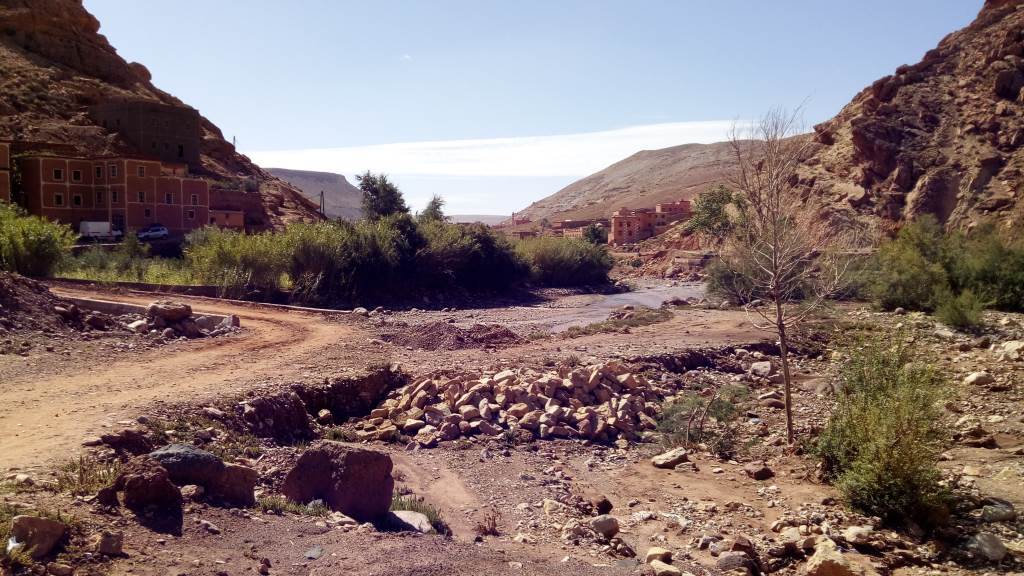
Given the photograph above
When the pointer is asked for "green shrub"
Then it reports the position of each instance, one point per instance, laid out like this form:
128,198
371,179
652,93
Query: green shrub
557,261
236,262
278,505
729,284
908,270
30,245
882,441
963,312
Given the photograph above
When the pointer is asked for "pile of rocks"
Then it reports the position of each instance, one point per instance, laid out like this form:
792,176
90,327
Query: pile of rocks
601,403
176,320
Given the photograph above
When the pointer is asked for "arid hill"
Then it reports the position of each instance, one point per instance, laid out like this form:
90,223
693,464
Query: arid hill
643,179
54,65
341,198
944,136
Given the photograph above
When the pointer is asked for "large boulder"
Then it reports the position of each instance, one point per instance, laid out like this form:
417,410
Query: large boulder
148,488
282,417
36,535
189,465
230,483
354,481
168,311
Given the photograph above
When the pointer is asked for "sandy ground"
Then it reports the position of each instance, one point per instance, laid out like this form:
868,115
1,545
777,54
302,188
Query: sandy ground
50,403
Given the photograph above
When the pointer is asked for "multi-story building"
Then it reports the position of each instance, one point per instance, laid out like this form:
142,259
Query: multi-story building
129,193
629,226
168,133
5,172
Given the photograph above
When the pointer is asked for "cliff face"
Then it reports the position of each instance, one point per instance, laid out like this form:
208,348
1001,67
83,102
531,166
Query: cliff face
944,136
54,64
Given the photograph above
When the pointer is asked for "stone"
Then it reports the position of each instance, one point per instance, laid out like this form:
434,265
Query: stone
148,488
411,521
660,568
858,535
168,311
1011,350
758,470
1001,511
828,561
139,327
360,311
36,535
670,459
988,546
186,464
57,569
762,369
324,417
236,485
282,417
110,543
979,379
728,561
132,441
605,525
601,504
230,321
354,481
656,553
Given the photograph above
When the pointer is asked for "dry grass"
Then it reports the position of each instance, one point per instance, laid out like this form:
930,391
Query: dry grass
637,318
86,475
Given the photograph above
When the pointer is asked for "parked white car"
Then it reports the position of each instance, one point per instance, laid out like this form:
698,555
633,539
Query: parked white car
152,232
98,231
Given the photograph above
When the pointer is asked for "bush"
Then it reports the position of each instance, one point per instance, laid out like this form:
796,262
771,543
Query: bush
565,261
963,312
30,245
416,504
882,441
238,263
923,267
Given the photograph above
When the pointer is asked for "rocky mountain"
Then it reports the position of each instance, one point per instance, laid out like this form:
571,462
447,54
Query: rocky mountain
341,198
54,65
944,136
642,180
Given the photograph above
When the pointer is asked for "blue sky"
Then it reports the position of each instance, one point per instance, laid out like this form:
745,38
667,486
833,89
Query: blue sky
496,104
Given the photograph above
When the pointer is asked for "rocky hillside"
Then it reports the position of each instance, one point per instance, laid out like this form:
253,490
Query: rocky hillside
943,136
341,198
643,179
54,64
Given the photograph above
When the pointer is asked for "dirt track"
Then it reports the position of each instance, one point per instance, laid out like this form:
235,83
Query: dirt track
41,416
47,410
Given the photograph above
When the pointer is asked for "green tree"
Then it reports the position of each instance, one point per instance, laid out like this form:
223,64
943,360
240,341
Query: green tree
711,217
434,211
595,234
380,196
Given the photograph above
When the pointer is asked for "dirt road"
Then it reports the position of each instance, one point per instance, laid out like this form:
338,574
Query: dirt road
45,416
49,409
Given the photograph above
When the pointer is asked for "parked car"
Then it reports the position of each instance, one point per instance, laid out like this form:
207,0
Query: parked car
152,232
98,232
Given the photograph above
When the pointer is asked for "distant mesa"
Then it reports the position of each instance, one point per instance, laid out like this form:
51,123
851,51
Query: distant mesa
341,198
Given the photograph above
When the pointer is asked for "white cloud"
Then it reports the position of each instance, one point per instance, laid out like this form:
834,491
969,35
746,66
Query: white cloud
526,156
493,175
405,58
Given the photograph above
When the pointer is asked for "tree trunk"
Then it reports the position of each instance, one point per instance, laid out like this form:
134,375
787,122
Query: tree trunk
784,355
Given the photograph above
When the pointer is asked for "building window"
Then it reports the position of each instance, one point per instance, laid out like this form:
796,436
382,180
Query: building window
99,197
76,200
190,214
113,170
99,172
76,175
142,196
113,196
58,174
195,199
147,213
181,151
141,171
168,198
58,199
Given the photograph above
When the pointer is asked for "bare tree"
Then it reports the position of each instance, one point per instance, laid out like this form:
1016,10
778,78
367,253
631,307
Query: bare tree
780,249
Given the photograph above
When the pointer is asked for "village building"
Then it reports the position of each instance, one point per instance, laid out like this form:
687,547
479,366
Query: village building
161,131
5,172
129,193
631,225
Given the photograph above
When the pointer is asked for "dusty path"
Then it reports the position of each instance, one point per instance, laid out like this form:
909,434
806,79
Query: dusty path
48,409
52,415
